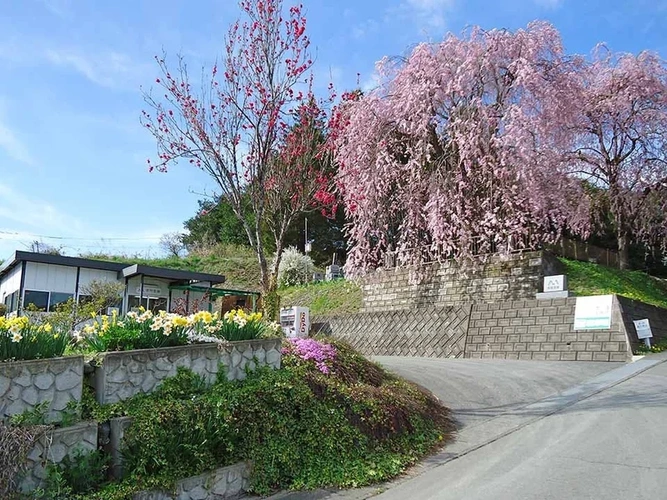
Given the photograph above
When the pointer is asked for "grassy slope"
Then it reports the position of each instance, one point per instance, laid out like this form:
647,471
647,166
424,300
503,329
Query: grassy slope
238,264
328,297
591,279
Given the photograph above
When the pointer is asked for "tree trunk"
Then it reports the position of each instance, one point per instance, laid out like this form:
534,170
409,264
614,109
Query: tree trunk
623,250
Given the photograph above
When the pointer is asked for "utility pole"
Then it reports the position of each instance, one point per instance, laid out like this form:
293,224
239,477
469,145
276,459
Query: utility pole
306,244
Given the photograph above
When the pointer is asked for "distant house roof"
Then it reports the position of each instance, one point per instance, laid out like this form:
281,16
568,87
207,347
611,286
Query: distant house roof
124,269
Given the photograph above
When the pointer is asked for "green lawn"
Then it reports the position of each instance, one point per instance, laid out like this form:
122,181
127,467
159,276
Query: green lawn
328,297
585,278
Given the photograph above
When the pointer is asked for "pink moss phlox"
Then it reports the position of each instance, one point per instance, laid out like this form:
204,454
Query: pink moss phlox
312,350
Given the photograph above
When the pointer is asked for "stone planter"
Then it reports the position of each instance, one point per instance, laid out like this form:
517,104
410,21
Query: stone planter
237,357
224,483
52,447
124,374
25,384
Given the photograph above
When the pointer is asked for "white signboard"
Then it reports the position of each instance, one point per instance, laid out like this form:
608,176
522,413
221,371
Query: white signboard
150,290
554,283
593,313
643,329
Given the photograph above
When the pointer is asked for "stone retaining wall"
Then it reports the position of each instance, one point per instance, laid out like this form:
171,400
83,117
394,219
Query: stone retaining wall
495,278
513,329
25,384
124,374
53,447
224,483
542,330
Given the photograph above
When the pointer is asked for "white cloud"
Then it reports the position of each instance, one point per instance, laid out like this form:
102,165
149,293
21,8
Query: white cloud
61,8
38,215
13,146
107,69
431,13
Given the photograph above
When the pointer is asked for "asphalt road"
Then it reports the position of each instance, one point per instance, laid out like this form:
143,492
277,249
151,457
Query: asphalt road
609,445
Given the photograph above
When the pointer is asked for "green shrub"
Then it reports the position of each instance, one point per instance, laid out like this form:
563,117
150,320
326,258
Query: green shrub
300,427
82,473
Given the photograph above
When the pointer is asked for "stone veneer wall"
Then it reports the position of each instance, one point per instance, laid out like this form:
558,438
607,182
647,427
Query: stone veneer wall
25,384
52,447
126,373
543,330
224,483
515,276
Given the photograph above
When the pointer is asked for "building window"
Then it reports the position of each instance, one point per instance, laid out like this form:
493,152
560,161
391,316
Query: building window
58,299
85,299
153,304
11,302
34,300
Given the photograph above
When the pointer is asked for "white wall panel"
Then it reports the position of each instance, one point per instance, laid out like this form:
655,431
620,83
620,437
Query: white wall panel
89,275
50,277
11,282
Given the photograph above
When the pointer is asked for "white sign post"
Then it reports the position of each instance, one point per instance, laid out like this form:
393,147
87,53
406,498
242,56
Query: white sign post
593,313
644,331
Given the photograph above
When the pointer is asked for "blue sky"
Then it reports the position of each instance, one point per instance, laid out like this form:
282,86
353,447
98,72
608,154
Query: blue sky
72,152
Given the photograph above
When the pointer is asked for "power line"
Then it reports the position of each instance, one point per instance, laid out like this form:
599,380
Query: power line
74,238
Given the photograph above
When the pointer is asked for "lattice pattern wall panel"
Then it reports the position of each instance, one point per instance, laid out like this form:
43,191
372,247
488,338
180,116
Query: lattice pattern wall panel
429,332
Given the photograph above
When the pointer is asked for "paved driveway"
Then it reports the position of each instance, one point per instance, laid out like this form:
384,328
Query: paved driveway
477,390
609,444
490,399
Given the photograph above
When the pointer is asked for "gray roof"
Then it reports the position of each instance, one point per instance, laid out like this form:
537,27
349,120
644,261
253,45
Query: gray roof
124,269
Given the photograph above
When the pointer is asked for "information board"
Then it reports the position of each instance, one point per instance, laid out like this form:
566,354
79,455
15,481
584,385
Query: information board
593,313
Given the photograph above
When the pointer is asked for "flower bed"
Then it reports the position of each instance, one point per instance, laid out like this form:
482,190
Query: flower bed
145,330
24,339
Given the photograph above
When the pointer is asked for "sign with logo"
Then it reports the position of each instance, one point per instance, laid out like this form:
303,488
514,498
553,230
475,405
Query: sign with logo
554,283
643,329
593,313
150,290
303,324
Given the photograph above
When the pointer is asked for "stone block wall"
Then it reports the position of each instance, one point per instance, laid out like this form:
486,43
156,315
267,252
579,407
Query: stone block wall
542,330
494,278
224,483
634,310
127,373
25,384
53,447
237,357
124,374
429,332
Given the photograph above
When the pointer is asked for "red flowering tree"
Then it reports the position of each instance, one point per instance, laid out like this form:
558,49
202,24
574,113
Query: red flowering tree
253,125
459,151
621,143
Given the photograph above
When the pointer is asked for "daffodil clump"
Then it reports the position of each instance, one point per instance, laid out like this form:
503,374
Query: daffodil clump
137,330
22,338
143,329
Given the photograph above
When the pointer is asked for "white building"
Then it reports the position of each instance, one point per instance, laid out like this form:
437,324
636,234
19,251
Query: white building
48,280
